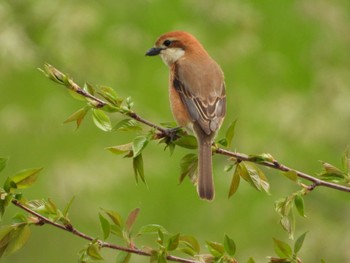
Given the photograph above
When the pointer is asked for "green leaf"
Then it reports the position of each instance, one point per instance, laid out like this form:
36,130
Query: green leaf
191,242
235,182
187,250
93,251
19,238
5,200
26,178
299,204
229,245
282,249
138,144
129,102
250,260
127,125
137,164
68,206
152,229
230,132
5,238
9,185
254,176
299,243
131,219
173,242
292,175
187,141
106,227
89,88
120,149
332,173
110,95
123,257
3,162
101,120
188,166
78,116
115,217
162,258
263,157
215,248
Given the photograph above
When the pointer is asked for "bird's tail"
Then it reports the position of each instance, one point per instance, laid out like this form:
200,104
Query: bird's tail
205,186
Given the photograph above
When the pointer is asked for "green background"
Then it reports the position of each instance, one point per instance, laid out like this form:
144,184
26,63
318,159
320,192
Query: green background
287,69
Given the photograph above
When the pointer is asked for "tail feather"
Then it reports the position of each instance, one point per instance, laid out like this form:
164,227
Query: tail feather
205,186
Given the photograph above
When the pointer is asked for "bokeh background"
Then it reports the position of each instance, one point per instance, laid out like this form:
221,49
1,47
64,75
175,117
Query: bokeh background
287,67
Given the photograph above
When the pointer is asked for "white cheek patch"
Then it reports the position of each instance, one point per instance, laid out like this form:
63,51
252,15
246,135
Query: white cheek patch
171,55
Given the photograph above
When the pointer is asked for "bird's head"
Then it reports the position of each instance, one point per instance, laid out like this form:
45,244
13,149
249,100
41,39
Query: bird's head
175,45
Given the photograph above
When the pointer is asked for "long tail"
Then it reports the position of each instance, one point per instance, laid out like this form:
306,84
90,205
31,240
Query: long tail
205,186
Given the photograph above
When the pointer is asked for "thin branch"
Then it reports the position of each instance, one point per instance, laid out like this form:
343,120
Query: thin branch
62,79
276,165
69,228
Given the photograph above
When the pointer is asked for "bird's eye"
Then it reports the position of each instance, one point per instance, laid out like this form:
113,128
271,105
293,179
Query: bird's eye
167,42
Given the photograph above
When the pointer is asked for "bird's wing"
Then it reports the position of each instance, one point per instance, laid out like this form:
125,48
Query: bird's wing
204,98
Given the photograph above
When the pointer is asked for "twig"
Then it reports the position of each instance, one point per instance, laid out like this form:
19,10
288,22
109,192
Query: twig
275,165
69,228
62,79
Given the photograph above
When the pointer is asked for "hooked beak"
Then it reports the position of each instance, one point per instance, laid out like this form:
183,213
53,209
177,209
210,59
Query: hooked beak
154,51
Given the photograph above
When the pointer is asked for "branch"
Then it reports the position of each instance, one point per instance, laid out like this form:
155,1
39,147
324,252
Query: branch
69,228
62,79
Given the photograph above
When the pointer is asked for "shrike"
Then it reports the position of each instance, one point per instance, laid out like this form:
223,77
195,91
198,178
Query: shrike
197,96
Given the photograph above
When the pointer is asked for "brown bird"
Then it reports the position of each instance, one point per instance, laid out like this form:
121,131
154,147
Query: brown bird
197,96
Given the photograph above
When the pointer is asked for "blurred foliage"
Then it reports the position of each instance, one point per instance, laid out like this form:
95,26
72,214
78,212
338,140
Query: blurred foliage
287,68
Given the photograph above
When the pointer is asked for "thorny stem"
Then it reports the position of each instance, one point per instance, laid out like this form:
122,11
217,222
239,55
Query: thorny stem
69,228
57,76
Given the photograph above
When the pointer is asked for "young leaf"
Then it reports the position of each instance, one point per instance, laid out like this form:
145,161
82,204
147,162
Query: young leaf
129,102
123,257
106,227
66,209
188,166
250,260
131,219
93,251
3,162
190,242
101,120
78,116
26,178
235,182
5,200
299,204
187,141
127,125
138,144
282,249
299,243
151,229
229,245
216,249
173,242
89,88
292,175
264,157
110,95
19,237
115,217
5,238
137,164
230,132
120,149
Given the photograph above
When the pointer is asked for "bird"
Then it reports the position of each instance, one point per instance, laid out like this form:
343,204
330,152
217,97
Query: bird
197,96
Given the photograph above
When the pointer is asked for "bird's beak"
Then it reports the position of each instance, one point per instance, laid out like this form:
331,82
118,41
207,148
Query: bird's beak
154,51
